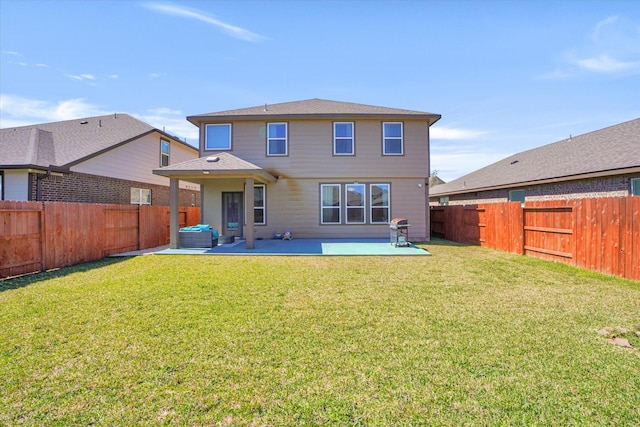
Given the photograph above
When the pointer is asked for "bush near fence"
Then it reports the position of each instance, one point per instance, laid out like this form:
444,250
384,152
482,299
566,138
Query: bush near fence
39,236
600,234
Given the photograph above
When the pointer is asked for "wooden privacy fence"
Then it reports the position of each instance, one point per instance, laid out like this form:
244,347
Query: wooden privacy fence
596,234
39,236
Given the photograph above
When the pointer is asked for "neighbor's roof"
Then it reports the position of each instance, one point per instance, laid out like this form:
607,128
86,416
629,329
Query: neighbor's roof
610,151
312,108
62,144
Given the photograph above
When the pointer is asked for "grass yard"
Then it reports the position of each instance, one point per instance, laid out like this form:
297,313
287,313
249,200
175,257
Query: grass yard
468,336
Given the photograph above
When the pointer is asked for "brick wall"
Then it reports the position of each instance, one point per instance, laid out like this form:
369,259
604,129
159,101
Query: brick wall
85,188
614,186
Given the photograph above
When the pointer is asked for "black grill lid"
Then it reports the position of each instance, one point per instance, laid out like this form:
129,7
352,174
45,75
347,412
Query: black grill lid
399,221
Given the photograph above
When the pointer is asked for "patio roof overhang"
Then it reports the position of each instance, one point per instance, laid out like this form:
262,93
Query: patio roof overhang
215,166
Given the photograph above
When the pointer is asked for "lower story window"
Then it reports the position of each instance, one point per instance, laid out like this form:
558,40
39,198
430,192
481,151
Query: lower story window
355,196
516,196
444,201
140,196
380,206
356,202
259,217
635,186
330,203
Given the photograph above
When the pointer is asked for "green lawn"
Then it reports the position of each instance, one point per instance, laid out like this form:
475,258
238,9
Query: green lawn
466,336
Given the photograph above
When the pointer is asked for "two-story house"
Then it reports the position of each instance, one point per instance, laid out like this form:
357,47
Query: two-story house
317,168
103,159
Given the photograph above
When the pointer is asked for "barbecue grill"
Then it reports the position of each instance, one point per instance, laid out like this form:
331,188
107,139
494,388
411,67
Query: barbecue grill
399,229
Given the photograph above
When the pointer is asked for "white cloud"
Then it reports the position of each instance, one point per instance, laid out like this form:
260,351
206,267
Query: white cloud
42,65
232,30
452,162
19,111
613,48
113,76
444,132
172,122
11,52
606,64
81,76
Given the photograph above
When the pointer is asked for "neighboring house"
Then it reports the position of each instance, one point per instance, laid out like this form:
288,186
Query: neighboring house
317,168
105,159
603,163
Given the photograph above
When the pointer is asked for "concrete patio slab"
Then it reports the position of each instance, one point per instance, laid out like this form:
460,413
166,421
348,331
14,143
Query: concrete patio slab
334,247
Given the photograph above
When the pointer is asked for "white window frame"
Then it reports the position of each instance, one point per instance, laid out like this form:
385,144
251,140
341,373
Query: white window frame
262,208
372,206
351,138
140,196
164,155
385,138
270,139
206,137
361,207
323,207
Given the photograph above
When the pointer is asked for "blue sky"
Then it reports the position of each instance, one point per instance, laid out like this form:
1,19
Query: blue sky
506,76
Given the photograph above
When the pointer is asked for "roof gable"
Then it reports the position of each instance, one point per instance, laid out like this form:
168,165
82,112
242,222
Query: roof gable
312,108
614,148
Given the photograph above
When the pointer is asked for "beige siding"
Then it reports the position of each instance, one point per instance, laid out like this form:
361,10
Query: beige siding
294,204
311,150
135,161
16,185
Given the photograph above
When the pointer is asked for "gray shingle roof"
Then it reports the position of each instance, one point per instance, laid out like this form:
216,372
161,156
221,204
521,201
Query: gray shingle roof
60,144
226,165
615,148
312,107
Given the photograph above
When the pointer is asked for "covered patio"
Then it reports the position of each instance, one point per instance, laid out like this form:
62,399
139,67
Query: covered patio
205,171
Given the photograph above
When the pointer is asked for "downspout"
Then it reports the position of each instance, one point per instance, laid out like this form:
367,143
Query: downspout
40,177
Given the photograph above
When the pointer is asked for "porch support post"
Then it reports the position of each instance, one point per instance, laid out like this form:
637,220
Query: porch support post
174,212
249,214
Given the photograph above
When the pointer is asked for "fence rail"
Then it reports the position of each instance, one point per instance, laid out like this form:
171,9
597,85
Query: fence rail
596,234
39,236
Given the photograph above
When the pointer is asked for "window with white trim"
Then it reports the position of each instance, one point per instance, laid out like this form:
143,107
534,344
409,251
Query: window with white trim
140,196
217,136
355,199
379,206
330,206
164,152
392,139
635,186
343,141
277,139
259,217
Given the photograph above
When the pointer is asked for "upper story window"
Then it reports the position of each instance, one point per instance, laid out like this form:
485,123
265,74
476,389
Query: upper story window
277,139
218,137
164,153
392,138
343,138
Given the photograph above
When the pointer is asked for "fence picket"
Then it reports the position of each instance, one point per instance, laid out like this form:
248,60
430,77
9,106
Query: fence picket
595,234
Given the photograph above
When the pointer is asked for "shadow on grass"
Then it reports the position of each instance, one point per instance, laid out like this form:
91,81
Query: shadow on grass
28,279
439,241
